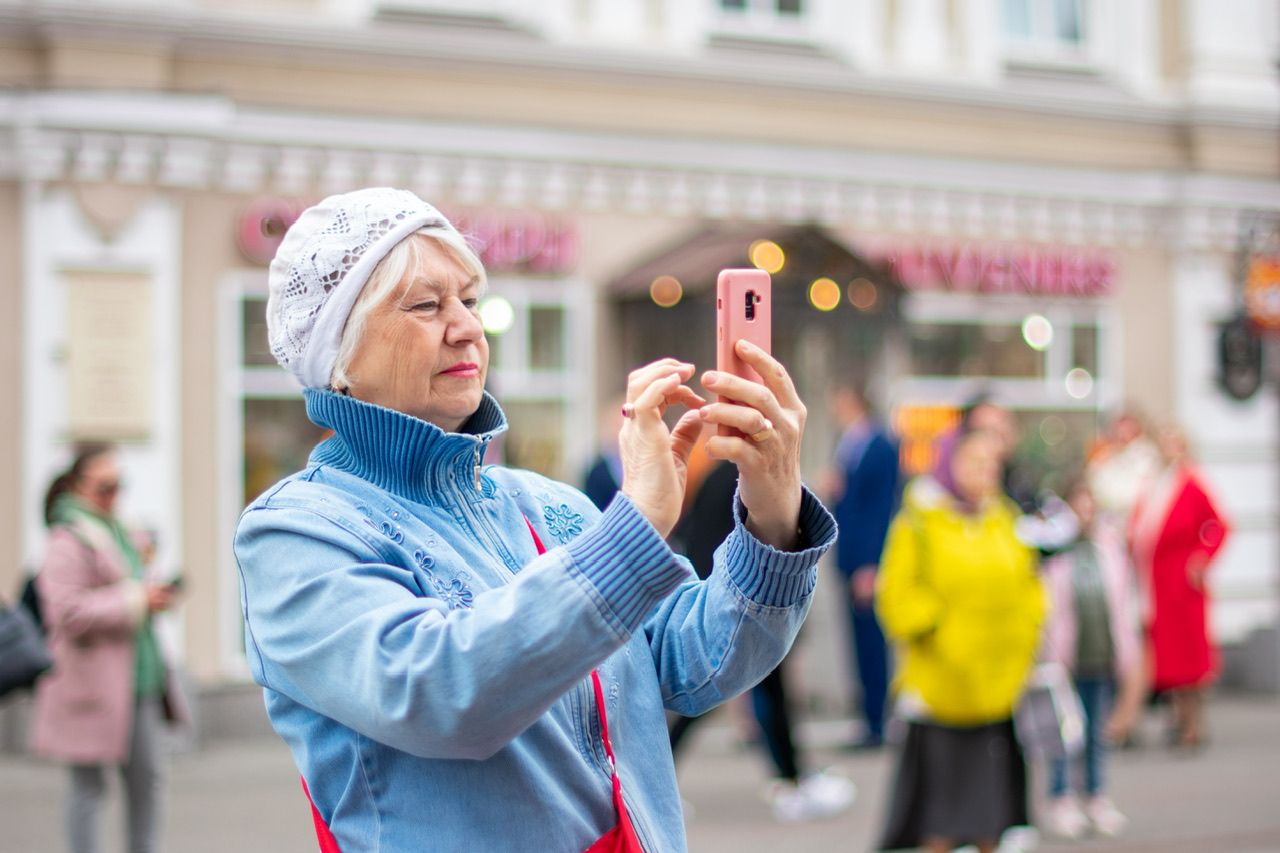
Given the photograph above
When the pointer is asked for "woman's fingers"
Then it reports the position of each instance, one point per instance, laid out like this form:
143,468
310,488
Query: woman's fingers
653,397
772,373
744,419
686,433
642,377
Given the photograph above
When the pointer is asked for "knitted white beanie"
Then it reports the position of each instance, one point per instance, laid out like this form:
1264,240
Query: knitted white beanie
322,265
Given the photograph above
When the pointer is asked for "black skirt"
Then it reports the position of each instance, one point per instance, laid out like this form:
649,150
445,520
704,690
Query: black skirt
964,784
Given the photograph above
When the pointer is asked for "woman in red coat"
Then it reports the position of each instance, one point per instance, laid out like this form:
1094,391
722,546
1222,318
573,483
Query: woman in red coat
1176,531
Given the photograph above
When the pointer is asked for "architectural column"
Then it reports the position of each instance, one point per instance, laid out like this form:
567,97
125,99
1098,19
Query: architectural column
921,38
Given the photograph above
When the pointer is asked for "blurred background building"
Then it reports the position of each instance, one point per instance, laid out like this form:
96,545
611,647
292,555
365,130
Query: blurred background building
1041,198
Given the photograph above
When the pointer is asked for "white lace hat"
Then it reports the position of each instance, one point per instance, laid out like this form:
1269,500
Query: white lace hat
322,265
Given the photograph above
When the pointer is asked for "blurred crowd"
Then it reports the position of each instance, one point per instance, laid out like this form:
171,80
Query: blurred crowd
967,583
959,588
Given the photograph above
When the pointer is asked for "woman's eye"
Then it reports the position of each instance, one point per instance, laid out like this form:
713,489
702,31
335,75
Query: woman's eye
425,306
471,303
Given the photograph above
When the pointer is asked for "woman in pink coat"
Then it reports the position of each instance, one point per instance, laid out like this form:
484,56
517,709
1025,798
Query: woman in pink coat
109,689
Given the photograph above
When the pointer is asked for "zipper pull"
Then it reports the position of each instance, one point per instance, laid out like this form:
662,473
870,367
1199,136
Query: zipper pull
479,457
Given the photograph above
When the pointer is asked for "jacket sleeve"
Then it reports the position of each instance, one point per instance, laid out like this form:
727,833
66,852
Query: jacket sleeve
714,639
354,639
907,606
73,605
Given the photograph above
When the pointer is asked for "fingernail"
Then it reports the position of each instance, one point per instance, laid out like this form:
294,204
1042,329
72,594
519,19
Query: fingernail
746,344
711,376
768,424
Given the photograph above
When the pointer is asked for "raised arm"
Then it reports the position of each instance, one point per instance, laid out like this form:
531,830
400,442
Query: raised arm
335,629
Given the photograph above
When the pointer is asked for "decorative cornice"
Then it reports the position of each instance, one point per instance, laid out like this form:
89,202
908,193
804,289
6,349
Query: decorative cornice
368,41
187,142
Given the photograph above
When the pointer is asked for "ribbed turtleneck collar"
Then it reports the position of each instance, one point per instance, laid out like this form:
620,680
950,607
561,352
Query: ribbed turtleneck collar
398,452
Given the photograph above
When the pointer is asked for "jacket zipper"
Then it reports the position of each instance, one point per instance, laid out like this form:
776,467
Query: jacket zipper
587,696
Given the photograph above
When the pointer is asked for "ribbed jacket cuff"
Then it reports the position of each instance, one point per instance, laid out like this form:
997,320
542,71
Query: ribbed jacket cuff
779,578
627,563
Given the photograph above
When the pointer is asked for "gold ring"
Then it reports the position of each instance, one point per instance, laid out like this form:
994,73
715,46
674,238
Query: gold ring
761,435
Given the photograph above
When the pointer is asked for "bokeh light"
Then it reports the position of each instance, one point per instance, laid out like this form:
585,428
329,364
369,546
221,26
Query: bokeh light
1037,331
863,294
824,294
1079,382
767,255
1053,430
666,291
496,315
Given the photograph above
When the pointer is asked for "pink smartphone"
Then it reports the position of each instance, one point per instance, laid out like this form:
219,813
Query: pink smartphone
744,309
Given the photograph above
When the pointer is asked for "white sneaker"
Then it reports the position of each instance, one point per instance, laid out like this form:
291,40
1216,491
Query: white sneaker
1106,818
817,796
1065,818
1019,839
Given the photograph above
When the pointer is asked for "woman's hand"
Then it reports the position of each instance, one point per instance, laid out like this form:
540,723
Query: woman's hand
655,460
159,598
770,421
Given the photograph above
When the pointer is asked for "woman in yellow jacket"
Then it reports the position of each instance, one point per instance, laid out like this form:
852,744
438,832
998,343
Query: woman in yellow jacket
959,596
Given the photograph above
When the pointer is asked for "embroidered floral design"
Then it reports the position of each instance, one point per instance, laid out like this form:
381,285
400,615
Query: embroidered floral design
392,532
455,593
563,522
386,528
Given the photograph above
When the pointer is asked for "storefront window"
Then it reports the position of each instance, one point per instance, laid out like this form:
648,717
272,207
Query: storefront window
972,350
534,439
1084,348
546,337
278,438
255,351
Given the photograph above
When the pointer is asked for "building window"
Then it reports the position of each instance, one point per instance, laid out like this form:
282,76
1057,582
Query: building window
1051,31
764,7
781,20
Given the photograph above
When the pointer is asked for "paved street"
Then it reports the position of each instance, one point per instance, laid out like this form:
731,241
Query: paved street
243,795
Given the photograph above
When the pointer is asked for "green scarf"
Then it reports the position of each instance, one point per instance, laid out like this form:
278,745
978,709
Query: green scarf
149,670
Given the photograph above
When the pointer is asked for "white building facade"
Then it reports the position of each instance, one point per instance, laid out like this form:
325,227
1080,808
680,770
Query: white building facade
1095,163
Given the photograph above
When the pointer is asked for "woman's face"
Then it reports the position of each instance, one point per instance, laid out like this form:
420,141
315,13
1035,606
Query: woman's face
99,483
423,351
976,467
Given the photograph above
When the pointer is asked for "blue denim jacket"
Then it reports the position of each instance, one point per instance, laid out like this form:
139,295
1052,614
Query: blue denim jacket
431,673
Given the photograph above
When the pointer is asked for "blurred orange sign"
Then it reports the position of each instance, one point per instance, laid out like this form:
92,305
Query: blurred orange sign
1262,292
918,427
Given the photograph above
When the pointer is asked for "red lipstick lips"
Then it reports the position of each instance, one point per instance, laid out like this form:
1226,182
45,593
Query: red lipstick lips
463,368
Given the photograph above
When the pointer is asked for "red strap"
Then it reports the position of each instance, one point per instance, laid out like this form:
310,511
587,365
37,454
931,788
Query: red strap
622,838
328,844
537,540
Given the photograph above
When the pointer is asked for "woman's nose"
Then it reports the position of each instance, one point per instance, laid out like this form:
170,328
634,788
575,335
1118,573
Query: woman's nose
464,323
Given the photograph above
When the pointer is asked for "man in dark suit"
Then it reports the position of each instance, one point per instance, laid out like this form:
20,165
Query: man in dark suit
864,486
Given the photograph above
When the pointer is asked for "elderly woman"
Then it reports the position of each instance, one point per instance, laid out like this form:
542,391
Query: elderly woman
470,657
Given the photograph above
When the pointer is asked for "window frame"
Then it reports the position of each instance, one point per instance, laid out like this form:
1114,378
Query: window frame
1043,49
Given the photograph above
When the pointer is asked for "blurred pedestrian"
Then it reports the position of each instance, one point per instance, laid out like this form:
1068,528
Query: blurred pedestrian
864,495
795,794
604,474
960,596
1176,531
105,701
1093,632
1119,466
475,657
